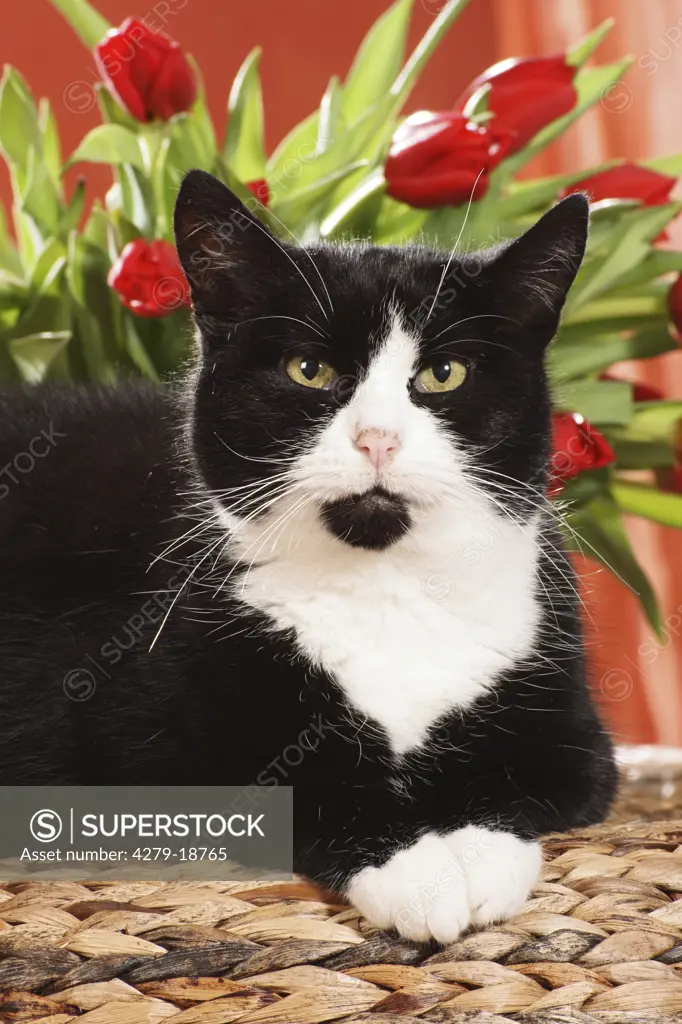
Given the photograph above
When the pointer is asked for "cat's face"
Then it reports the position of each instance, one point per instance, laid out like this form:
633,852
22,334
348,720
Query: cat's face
370,384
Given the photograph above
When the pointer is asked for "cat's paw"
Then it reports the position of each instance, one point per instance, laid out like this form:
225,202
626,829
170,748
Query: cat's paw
440,885
420,891
500,869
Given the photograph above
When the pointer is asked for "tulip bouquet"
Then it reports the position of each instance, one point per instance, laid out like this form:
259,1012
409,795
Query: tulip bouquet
93,290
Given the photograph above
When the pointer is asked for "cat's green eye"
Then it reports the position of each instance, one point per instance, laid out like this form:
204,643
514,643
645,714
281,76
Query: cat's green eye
312,373
442,375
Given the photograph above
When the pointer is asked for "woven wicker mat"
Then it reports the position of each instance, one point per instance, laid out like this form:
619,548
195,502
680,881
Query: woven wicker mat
601,940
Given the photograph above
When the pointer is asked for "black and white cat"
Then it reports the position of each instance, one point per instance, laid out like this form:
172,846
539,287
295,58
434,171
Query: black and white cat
333,538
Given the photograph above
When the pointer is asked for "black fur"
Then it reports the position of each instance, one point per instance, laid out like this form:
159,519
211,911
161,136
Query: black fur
219,699
373,520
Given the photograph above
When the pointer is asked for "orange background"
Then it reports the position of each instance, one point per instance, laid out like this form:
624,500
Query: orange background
638,678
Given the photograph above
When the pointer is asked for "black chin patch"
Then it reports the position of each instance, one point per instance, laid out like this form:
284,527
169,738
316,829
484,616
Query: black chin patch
373,520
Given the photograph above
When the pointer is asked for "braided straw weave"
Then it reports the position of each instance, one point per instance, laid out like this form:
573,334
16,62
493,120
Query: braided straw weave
601,940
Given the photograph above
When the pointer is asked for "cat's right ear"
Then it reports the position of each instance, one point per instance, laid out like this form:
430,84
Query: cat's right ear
226,252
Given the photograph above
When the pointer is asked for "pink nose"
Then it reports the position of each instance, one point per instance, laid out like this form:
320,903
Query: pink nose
378,445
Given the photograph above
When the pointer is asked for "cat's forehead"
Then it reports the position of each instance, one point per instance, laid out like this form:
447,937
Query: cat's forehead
374,292
369,273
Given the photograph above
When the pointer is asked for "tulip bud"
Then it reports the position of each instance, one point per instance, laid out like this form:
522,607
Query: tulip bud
439,160
576,446
146,71
149,279
260,190
627,181
525,95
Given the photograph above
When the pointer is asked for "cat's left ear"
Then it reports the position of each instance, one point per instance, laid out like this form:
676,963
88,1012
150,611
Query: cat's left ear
530,278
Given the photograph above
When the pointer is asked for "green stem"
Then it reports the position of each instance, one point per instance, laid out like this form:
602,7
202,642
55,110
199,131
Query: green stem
86,22
407,78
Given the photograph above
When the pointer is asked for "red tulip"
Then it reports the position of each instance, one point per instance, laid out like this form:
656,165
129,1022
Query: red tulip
627,181
641,392
525,95
149,279
260,189
439,160
147,72
675,305
576,446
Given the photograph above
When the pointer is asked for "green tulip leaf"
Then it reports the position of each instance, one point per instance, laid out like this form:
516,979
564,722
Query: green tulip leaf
137,351
640,454
84,20
98,227
655,420
573,359
397,223
354,216
345,151
165,182
640,500
82,257
34,354
46,305
51,149
654,264
200,115
629,243
615,312
446,227
476,107
30,239
72,214
110,144
14,296
301,206
19,126
600,402
40,198
299,144
137,200
9,257
12,285
113,112
596,529
86,278
533,196
331,122
23,86
46,275
188,149
420,56
121,232
671,165
578,54
377,62
244,150
649,438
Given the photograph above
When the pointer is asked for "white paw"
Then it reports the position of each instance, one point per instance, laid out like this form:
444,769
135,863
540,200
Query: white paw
440,885
500,869
420,891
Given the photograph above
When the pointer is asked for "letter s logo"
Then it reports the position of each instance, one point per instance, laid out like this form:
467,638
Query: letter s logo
46,826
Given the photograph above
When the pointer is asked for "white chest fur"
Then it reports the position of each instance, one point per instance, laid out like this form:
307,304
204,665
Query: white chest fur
411,632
